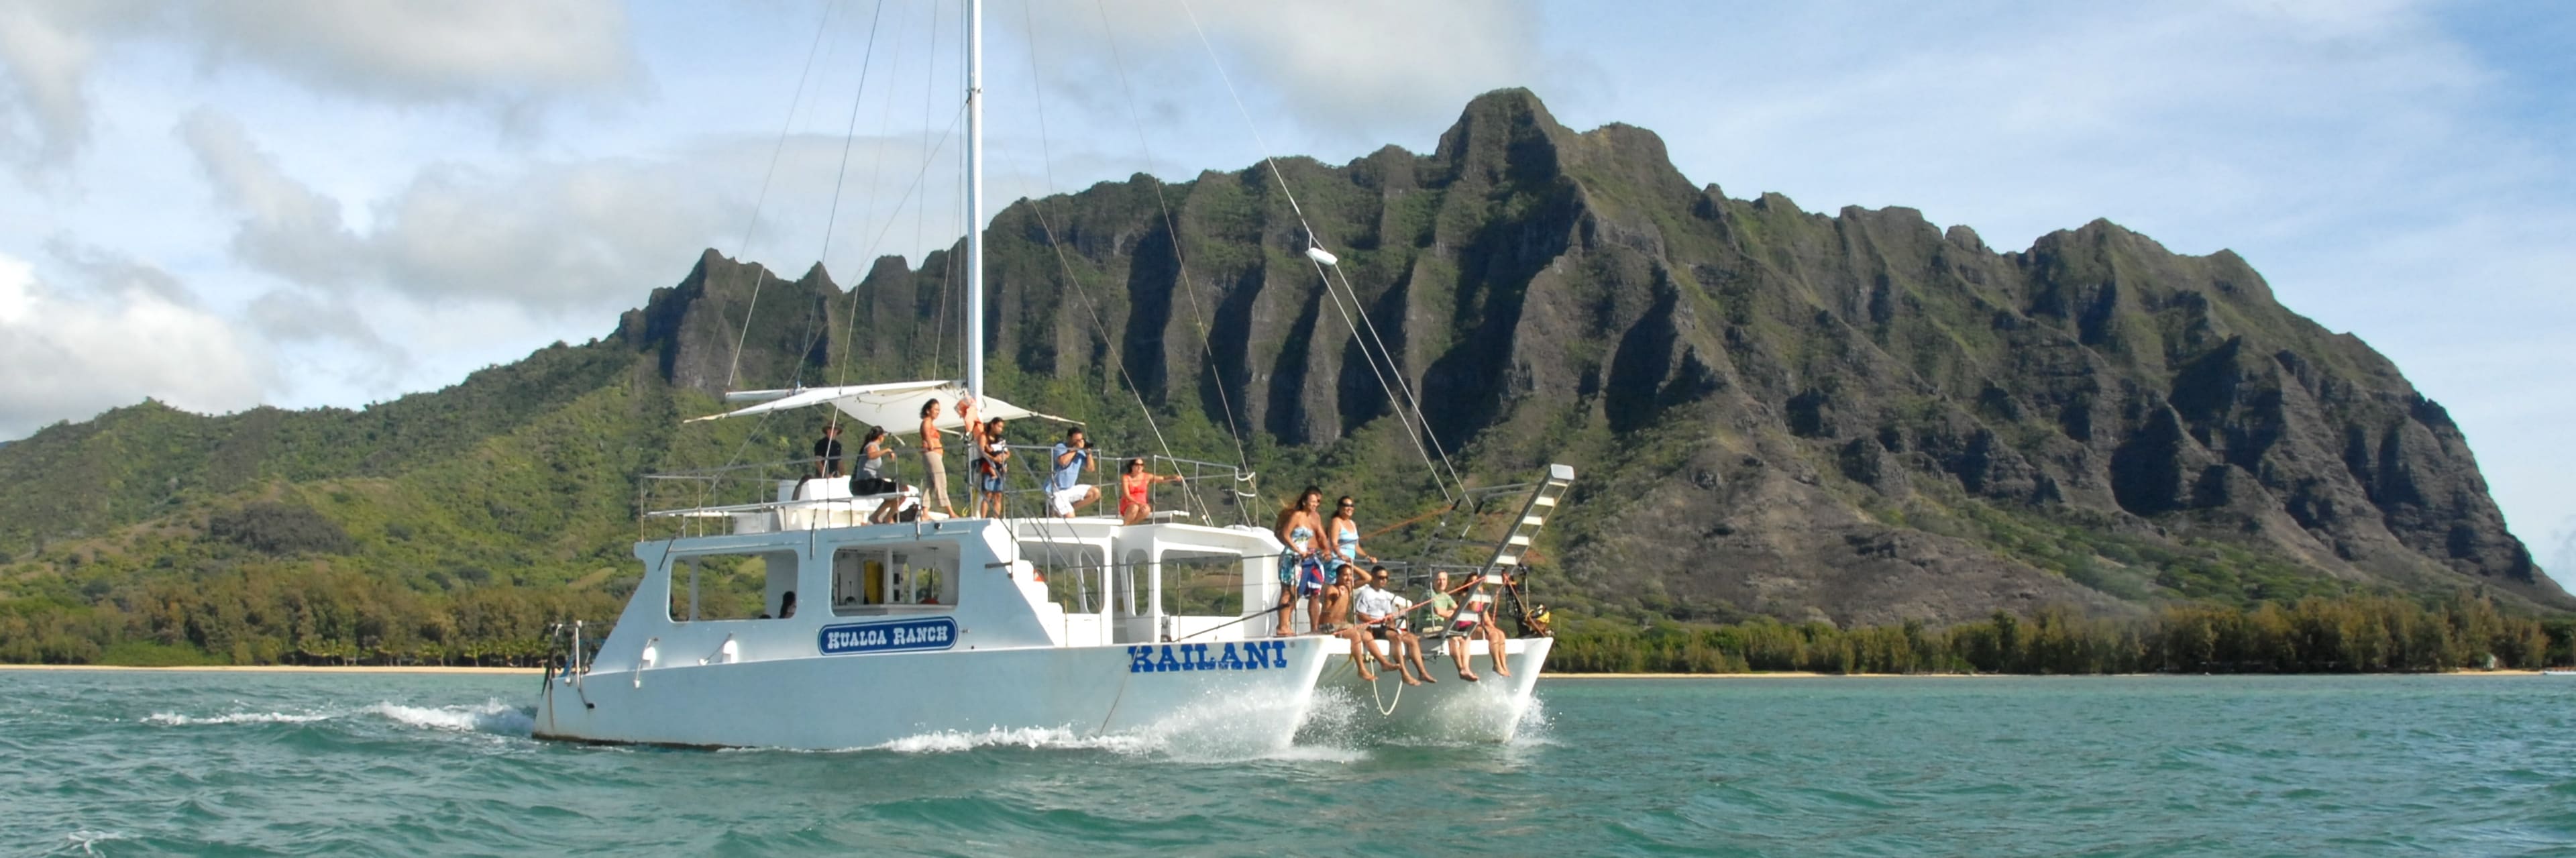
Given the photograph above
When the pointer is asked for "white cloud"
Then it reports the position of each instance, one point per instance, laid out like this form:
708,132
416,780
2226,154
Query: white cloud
43,114
545,236
1346,69
505,54
424,51
118,337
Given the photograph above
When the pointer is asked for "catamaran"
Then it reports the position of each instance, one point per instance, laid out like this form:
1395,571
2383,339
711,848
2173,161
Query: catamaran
883,619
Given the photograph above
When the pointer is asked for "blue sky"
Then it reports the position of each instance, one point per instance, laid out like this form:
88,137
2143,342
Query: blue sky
305,203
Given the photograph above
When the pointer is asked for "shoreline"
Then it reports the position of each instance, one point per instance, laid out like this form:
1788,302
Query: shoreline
281,668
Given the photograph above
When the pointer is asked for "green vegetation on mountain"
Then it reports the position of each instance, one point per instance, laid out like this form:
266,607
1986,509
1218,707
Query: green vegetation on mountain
1782,419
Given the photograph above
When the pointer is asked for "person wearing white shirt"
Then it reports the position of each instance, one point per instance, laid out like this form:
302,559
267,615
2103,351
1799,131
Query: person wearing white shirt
1377,607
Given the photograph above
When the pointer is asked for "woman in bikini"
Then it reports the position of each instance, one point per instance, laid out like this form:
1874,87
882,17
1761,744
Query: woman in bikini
1296,528
1136,491
1344,534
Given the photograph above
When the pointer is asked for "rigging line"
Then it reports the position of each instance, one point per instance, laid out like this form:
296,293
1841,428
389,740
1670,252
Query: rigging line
1311,239
1400,416
849,136
1397,369
832,215
876,165
879,242
1115,361
921,213
1247,118
760,273
1180,261
1046,167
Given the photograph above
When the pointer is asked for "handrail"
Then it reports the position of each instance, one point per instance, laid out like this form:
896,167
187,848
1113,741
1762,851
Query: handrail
753,487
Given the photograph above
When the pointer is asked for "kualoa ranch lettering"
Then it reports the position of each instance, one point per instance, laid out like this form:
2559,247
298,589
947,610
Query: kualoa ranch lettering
1246,655
901,636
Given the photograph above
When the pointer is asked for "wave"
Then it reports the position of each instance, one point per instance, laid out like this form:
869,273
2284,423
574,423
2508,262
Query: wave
1227,730
88,840
491,716
173,719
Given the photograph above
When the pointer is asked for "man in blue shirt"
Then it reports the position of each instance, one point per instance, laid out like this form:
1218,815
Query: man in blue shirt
1065,489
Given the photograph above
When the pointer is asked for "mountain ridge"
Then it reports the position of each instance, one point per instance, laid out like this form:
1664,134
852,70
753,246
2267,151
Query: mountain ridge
1858,417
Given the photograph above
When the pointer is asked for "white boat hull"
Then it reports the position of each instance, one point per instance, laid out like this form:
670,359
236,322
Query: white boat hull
826,702
1492,709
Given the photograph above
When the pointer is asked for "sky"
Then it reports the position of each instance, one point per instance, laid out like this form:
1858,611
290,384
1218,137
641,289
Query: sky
300,203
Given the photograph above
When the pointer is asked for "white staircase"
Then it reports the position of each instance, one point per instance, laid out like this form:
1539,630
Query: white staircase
1542,503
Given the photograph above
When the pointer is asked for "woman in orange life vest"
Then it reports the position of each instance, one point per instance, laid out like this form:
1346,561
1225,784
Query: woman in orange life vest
1136,491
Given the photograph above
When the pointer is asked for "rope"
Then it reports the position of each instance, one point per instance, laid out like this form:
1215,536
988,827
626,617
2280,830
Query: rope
1189,288
1400,383
1312,240
1371,360
760,274
1046,166
832,215
1385,707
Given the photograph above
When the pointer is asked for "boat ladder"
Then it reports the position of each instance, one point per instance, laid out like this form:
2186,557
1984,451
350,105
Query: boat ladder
1542,503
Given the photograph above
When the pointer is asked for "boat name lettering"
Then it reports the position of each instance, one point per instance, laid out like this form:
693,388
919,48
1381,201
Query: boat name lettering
897,636
1246,655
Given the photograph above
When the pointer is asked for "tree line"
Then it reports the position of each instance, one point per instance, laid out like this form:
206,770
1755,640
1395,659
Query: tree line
2338,634
268,615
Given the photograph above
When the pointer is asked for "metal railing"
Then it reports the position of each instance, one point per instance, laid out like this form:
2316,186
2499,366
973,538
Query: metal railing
704,501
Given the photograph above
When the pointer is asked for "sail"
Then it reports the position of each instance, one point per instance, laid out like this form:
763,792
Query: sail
894,407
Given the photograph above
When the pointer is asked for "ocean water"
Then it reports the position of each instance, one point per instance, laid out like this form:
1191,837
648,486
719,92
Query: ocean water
354,764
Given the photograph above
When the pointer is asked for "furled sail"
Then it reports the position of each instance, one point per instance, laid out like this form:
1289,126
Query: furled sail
894,407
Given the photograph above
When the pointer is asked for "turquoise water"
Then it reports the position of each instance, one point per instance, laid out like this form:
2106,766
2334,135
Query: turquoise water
334,764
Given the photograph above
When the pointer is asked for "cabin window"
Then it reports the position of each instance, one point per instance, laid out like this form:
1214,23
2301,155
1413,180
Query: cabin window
877,579
1076,576
730,586
1203,586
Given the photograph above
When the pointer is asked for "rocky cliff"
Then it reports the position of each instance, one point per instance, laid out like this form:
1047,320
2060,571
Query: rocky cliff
1777,411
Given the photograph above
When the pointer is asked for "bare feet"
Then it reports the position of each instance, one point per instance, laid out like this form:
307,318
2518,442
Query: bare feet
1468,676
1409,680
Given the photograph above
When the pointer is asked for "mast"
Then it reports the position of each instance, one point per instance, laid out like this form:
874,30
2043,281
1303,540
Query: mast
975,198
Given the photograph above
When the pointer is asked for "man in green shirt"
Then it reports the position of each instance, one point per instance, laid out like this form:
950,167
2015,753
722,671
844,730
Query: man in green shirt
1440,622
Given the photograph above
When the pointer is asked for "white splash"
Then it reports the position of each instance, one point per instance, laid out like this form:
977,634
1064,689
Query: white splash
173,719
952,741
85,839
491,716
1218,730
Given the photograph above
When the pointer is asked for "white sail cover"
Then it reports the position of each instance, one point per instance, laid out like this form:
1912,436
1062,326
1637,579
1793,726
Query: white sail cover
894,407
